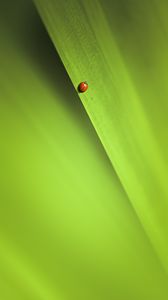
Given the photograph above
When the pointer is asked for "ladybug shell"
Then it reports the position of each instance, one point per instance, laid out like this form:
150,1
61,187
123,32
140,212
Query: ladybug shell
83,86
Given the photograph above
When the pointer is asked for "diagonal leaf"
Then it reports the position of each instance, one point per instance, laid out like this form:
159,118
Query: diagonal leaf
120,48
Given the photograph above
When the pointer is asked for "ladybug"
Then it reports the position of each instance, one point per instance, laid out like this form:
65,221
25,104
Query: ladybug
82,87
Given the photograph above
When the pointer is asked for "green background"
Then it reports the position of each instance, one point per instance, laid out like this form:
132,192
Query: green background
83,210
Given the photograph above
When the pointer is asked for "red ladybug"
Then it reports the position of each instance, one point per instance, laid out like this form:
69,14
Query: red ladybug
83,86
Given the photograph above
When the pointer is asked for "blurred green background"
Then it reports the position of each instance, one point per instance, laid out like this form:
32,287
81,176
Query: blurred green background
76,221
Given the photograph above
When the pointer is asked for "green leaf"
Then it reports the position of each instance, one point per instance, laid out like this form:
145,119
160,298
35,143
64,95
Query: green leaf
120,48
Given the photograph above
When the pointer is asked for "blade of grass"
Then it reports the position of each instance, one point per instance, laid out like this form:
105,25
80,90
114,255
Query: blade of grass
123,100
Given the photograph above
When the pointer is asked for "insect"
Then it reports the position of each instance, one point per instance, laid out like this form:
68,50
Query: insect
82,87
